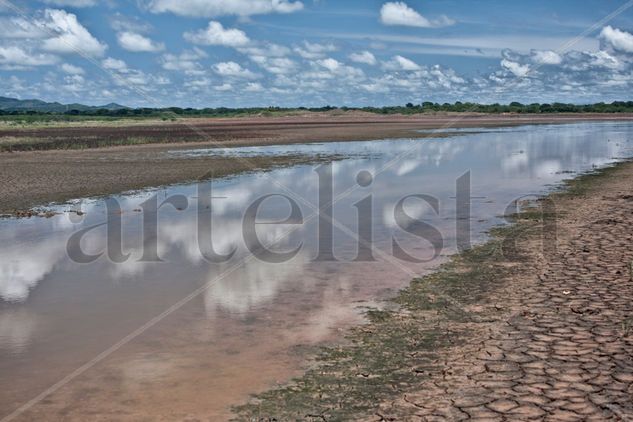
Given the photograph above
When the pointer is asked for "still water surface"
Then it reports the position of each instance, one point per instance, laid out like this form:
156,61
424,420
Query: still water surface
249,325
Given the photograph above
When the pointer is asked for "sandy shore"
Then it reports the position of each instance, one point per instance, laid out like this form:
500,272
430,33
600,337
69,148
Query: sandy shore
34,178
534,325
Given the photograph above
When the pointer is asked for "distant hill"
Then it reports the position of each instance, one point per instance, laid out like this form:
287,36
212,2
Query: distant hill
13,104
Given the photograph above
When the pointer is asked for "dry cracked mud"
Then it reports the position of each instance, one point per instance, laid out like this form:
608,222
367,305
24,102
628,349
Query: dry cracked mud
565,351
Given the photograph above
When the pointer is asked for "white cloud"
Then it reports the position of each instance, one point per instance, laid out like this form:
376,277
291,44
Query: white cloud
606,60
547,57
114,64
74,83
365,57
313,51
20,28
335,68
137,43
216,34
198,83
271,57
123,23
72,37
400,63
517,69
17,58
234,70
72,3
330,64
375,88
479,46
224,87
125,76
620,40
276,65
265,50
71,69
186,62
134,78
254,87
399,13
214,8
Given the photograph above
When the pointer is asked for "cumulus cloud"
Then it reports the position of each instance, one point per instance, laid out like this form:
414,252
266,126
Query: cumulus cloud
137,77
72,3
253,87
14,57
198,83
547,57
334,67
53,31
400,63
574,76
216,34
419,82
365,57
270,57
125,76
138,43
330,64
19,28
313,51
187,61
265,50
71,69
114,64
72,36
123,23
276,65
619,40
223,87
234,70
400,14
517,69
215,8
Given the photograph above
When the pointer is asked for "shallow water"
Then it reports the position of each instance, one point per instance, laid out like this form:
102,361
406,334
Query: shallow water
243,323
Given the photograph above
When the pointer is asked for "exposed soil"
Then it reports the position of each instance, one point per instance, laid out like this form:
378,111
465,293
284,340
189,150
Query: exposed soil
73,161
250,130
535,324
39,178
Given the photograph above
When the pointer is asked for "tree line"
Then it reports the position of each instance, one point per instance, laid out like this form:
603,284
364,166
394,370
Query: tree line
410,108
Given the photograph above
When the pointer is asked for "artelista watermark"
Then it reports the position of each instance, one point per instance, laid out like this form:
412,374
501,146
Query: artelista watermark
419,228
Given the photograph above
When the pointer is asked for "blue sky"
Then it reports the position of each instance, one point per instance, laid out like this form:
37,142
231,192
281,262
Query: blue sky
197,53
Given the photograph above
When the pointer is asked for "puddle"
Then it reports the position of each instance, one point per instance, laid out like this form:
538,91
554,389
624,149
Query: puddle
246,329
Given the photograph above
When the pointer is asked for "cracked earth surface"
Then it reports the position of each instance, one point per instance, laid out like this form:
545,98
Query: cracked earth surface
563,349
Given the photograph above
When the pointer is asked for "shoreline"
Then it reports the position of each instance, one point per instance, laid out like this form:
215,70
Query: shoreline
37,178
493,332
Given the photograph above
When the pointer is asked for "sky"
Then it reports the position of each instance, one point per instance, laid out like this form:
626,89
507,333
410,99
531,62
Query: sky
243,53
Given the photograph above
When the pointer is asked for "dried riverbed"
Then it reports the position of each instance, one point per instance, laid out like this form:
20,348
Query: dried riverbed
250,323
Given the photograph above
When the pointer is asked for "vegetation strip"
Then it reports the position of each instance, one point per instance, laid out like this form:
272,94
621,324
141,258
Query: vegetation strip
35,110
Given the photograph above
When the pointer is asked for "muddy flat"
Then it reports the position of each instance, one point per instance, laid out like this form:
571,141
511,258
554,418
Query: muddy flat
79,160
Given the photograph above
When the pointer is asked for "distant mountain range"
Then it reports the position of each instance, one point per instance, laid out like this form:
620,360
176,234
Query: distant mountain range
13,104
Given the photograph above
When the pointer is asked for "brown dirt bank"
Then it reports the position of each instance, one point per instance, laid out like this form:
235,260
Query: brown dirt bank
264,130
38,178
33,178
536,324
